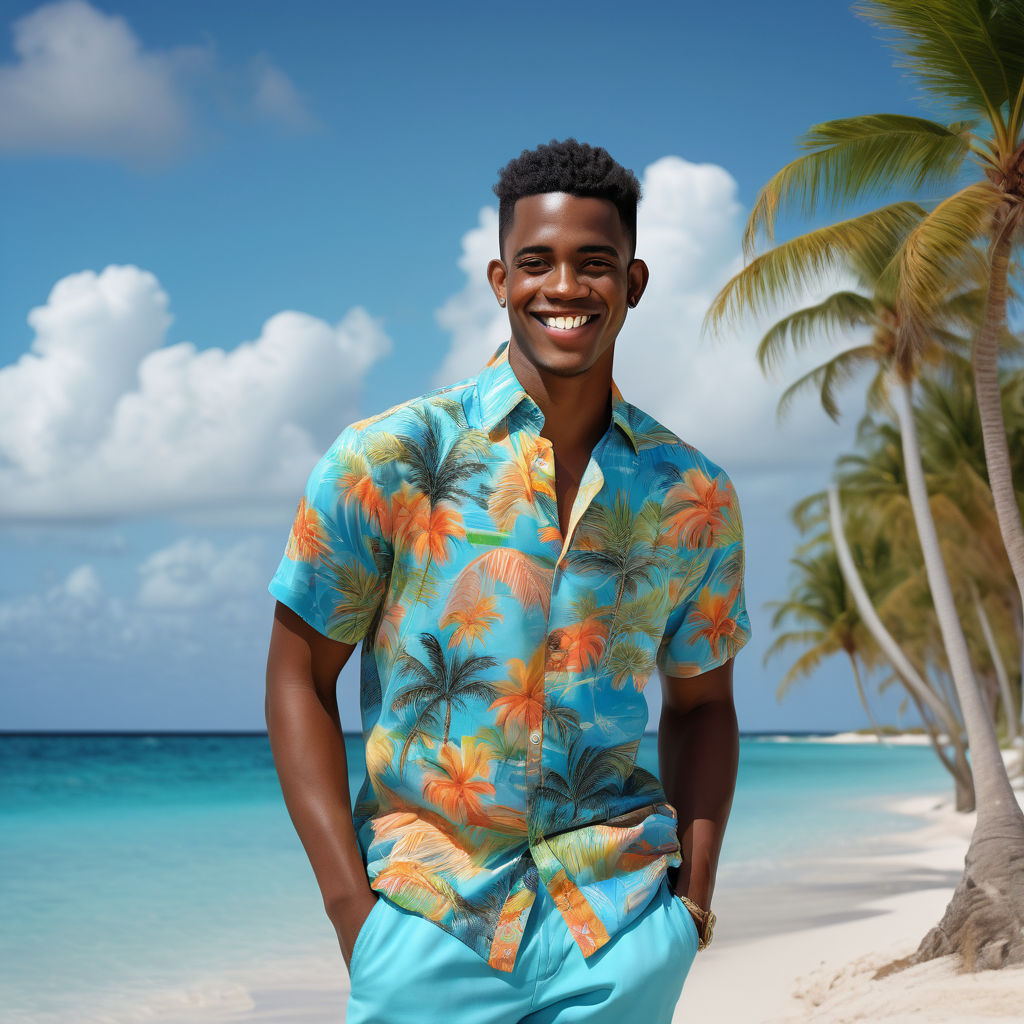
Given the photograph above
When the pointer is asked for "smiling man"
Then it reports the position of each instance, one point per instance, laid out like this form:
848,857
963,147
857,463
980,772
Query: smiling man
517,554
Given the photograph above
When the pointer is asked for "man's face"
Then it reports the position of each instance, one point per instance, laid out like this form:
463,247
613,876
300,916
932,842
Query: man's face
568,279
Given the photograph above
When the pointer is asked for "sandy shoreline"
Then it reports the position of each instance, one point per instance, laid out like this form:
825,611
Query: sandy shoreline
872,909
797,945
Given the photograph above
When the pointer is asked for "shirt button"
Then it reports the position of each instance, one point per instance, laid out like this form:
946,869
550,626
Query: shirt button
535,736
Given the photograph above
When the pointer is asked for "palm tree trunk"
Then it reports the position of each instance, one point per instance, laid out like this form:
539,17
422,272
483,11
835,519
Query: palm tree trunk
984,921
922,694
959,768
1006,695
866,610
985,358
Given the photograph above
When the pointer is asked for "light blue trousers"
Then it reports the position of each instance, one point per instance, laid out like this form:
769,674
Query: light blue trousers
406,970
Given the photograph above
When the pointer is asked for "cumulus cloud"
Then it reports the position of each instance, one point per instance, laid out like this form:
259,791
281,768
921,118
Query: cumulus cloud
83,83
185,594
709,391
75,614
276,98
102,419
193,574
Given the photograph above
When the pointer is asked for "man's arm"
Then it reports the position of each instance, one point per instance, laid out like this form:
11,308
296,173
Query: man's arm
309,753
698,755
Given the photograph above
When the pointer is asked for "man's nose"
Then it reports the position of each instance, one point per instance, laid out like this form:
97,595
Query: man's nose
563,283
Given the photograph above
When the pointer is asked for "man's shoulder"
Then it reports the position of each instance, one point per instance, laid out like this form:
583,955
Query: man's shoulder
451,399
660,446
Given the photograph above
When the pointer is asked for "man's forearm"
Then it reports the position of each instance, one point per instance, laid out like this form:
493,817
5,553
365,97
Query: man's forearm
698,755
309,754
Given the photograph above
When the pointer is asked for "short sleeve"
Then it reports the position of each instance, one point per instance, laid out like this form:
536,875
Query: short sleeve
334,569
708,623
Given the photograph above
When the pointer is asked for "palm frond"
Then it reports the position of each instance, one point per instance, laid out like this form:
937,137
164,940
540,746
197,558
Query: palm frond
840,310
941,248
827,378
967,52
853,157
802,263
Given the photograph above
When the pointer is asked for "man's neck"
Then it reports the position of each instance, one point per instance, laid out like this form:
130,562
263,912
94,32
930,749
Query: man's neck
576,409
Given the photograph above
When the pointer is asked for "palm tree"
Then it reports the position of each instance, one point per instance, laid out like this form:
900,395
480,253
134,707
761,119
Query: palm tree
438,469
619,545
594,776
441,684
983,918
969,54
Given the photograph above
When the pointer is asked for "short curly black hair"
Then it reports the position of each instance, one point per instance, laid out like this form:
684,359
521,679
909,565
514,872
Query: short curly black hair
572,167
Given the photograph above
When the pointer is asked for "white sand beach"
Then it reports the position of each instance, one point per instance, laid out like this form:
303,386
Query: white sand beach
880,906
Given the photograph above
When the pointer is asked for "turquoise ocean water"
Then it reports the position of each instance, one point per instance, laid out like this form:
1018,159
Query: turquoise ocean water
137,863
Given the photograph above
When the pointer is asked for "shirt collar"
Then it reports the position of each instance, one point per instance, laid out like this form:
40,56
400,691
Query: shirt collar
499,392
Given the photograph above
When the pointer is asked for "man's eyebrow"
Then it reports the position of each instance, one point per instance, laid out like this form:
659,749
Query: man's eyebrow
540,250
528,250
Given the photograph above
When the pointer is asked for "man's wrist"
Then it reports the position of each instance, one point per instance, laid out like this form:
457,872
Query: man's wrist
703,919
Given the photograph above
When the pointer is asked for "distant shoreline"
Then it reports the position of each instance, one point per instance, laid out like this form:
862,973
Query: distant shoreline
822,735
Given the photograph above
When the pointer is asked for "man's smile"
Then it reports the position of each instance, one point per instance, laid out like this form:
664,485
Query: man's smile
564,321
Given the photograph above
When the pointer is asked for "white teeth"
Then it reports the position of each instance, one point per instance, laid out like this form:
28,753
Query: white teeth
566,323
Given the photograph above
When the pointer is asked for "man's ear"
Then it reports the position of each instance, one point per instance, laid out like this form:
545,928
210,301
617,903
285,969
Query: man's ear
497,275
637,277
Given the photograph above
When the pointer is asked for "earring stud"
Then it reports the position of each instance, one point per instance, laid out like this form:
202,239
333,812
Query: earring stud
501,302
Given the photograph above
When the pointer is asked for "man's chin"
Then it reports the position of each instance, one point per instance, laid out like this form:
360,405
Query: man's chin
558,361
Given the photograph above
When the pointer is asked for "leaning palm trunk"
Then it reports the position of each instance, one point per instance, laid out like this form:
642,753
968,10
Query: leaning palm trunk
985,357
959,768
920,691
1005,693
984,921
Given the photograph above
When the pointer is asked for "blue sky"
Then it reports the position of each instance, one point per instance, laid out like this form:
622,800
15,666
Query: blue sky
231,229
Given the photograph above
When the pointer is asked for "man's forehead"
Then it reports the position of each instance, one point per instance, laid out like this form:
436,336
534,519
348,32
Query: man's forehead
553,213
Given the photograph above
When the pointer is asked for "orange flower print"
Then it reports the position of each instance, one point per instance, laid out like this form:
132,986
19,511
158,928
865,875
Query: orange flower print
712,614
473,622
693,510
584,644
306,542
358,486
441,525
409,514
460,783
521,705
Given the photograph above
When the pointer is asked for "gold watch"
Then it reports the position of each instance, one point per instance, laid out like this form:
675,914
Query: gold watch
704,919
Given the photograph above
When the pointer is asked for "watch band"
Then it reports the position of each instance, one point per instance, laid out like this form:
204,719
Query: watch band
704,919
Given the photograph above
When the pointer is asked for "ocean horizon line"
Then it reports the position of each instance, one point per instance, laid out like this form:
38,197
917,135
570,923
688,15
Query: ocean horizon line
750,734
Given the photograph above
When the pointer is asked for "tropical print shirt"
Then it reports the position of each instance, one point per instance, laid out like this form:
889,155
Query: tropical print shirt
502,664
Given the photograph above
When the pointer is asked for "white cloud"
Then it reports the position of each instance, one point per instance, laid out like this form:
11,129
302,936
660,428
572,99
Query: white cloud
75,615
84,84
101,419
711,392
276,98
193,574
476,322
186,594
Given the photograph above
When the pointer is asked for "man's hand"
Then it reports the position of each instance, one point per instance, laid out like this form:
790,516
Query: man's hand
348,917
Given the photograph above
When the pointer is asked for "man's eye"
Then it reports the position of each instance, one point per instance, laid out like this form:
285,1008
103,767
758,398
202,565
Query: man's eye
531,264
